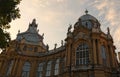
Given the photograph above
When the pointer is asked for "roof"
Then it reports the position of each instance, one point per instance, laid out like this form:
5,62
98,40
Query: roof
87,17
31,36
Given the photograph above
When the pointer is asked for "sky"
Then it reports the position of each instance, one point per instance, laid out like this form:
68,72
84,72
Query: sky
54,16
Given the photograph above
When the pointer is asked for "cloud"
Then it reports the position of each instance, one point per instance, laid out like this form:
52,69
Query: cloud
110,12
54,16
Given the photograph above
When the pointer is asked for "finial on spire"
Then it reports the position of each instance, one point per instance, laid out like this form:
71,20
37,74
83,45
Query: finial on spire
18,31
86,11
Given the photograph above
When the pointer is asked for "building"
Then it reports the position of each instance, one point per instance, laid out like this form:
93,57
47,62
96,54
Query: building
87,52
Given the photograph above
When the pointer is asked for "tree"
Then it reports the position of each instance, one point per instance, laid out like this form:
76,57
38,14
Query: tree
8,12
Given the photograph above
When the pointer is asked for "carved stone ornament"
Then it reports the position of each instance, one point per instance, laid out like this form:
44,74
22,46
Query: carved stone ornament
81,35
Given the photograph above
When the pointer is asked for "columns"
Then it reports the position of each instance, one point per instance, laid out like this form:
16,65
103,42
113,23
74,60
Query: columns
1,68
112,56
94,52
13,73
4,68
19,68
108,56
99,53
33,69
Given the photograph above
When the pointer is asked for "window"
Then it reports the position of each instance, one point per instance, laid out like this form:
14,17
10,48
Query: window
56,70
30,49
10,67
40,69
82,54
48,70
35,49
103,54
63,65
26,69
87,24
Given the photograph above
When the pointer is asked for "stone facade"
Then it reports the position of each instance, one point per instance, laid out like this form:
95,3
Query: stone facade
87,52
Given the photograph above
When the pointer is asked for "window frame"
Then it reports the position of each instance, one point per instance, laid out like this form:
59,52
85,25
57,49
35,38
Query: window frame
82,54
56,69
26,69
104,55
48,68
40,70
10,66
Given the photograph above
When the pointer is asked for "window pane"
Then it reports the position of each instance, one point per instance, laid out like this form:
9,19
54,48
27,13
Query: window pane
40,69
26,69
103,54
82,54
56,71
48,70
9,67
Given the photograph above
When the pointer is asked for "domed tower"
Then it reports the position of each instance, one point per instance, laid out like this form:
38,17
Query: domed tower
88,21
89,51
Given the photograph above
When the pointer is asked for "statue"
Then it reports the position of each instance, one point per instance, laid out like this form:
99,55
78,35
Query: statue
42,35
69,28
61,42
47,47
55,46
38,30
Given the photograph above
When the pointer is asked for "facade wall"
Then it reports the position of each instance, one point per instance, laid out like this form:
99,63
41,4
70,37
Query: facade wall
87,52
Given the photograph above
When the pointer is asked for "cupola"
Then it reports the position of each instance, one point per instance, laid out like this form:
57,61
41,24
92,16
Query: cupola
87,21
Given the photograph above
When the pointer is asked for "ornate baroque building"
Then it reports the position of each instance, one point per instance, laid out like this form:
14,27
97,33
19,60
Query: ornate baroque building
87,52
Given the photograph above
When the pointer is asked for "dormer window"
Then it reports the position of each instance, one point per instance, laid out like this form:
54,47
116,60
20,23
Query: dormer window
30,49
87,24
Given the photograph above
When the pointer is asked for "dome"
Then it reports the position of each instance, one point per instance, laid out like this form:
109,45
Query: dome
87,17
87,21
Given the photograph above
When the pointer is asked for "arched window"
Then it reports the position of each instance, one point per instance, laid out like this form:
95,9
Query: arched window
87,24
26,69
56,70
103,54
82,54
40,69
10,67
48,70
62,61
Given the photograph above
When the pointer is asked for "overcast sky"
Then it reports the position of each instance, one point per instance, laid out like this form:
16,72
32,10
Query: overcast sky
54,16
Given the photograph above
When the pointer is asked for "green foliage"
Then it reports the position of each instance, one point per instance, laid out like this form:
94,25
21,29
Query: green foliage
8,12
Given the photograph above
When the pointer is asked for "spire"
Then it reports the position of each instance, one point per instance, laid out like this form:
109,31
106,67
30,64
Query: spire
86,11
